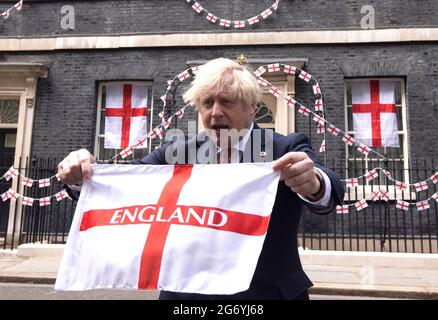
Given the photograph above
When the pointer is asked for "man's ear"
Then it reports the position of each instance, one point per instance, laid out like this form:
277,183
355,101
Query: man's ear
253,109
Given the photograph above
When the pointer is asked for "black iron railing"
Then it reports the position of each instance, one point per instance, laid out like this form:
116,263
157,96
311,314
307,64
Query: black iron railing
380,227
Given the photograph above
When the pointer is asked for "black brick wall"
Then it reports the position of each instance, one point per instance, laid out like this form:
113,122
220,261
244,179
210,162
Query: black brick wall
66,101
128,16
66,105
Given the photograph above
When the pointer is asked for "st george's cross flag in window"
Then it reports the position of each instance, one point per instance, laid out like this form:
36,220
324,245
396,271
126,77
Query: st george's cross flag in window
181,228
125,114
374,112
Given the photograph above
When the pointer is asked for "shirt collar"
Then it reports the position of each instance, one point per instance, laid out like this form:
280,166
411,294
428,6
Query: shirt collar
242,143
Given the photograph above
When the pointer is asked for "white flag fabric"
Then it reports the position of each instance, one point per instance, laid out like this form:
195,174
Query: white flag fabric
125,115
374,112
182,228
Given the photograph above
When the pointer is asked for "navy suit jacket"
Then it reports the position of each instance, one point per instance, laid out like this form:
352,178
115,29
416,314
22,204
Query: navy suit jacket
279,274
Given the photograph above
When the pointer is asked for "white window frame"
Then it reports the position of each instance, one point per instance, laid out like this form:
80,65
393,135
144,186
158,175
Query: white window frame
99,135
365,191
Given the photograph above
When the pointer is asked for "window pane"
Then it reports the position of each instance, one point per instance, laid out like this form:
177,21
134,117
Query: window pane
399,118
106,154
9,111
358,164
102,122
349,100
264,114
398,99
350,119
10,140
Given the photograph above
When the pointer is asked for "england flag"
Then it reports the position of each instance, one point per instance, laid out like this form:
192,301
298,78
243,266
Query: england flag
374,112
125,114
182,228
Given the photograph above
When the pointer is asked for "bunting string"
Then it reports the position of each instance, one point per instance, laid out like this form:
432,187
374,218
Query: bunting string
12,195
238,24
18,6
323,125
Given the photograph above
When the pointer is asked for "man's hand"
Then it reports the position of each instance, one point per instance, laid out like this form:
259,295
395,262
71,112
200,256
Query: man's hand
76,167
297,171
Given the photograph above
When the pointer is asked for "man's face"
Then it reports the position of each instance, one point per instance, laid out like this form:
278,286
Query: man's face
224,111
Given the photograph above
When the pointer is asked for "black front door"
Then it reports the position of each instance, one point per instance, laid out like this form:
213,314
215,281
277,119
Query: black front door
8,139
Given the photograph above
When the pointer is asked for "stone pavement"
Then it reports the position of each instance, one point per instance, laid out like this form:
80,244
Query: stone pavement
376,274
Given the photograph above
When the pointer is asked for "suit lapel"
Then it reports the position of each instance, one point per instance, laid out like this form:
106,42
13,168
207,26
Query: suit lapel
248,152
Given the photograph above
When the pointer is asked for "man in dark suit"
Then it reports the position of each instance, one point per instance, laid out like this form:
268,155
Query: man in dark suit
226,94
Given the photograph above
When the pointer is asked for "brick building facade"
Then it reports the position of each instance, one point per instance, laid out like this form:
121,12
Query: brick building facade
151,40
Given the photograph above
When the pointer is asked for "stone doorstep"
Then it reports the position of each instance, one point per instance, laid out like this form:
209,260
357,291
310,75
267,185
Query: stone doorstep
29,250
308,257
375,259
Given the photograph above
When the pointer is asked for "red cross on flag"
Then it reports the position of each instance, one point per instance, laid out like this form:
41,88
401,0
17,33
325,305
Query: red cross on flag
322,147
211,17
333,130
370,175
422,205
12,194
342,209
44,201
44,183
6,14
61,195
400,185
318,105
10,174
239,24
362,204
374,112
260,70
289,69
4,196
253,20
19,5
28,182
275,91
27,201
274,67
180,113
305,76
225,23
376,195
304,111
290,101
420,186
197,7
352,182
125,114
188,229
266,13
402,205
434,178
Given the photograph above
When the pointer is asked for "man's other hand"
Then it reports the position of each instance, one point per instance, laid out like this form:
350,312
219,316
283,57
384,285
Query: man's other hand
76,167
298,173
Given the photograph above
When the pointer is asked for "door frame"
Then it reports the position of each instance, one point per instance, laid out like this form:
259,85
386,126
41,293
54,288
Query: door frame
19,81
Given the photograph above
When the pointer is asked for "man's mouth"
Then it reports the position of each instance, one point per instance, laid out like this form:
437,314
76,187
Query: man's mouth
218,127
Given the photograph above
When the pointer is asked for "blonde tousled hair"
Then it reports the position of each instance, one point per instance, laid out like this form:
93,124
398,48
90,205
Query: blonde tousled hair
223,74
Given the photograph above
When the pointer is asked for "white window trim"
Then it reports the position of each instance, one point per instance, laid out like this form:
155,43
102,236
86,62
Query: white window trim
99,111
365,191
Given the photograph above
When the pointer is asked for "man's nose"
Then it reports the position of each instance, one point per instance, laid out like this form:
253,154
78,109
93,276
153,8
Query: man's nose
217,110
